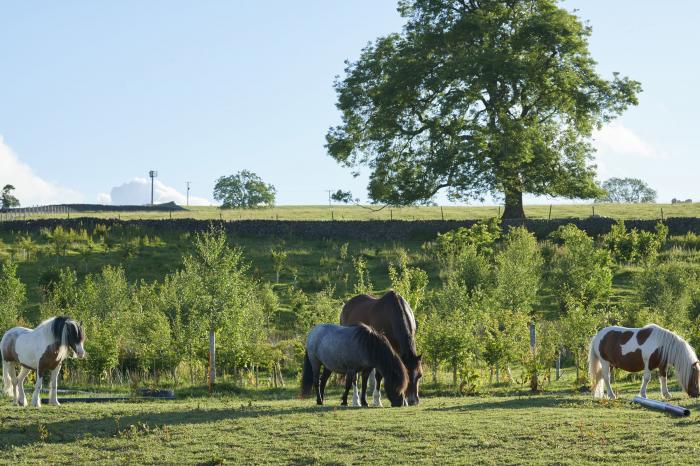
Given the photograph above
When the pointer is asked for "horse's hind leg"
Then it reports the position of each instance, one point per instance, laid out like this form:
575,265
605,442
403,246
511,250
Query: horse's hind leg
21,398
10,375
322,382
606,377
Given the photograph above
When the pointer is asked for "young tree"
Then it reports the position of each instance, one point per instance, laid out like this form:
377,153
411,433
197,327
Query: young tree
217,276
409,282
12,295
518,271
497,96
627,190
579,270
245,189
7,200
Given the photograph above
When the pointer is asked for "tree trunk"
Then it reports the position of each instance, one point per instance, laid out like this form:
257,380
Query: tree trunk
212,358
558,364
514,205
454,374
533,348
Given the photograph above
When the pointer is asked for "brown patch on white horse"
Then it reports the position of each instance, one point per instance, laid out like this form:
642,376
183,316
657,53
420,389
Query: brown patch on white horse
645,349
50,359
8,349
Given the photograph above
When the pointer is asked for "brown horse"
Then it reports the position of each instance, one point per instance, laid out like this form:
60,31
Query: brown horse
392,316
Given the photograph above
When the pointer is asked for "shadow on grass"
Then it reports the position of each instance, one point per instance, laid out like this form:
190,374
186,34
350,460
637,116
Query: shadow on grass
529,402
118,426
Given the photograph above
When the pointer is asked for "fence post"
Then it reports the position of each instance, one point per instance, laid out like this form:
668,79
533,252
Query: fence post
442,213
550,212
662,214
499,212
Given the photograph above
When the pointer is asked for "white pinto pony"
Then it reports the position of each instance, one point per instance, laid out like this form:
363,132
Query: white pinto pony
43,349
642,349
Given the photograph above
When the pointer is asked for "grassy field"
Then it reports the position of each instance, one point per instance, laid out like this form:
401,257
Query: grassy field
504,427
342,212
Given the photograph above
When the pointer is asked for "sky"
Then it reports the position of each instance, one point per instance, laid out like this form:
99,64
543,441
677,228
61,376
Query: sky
93,95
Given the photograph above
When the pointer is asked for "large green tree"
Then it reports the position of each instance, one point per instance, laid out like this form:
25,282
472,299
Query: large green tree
477,97
245,189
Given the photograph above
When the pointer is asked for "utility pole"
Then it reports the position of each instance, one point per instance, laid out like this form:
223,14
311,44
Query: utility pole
153,174
329,191
188,193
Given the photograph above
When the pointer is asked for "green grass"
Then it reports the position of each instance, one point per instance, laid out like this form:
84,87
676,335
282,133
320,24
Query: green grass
557,427
342,212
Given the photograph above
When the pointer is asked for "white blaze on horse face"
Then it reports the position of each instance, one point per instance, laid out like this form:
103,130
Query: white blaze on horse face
79,350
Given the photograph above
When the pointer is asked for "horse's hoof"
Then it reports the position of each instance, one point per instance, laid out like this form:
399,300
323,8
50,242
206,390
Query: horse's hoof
344,403
54,403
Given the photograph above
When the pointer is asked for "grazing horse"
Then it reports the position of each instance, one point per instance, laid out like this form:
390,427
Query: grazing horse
42,349
642,349
392,316
349,350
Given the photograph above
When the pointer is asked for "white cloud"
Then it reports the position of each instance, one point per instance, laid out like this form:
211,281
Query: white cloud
616,139
31,189
138,192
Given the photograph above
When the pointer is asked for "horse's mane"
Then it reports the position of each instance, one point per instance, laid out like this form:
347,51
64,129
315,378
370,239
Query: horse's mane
57,326
675,351
402,320
383,355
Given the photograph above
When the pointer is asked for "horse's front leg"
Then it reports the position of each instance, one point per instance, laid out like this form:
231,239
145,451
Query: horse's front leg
53,387
36,398
349,382
377,395
664,383
365,377
645,380
355,394
21,398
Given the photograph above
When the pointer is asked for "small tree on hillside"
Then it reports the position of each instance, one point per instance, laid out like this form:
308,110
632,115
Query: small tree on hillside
12,295
245,189
216,273
7,200
627,190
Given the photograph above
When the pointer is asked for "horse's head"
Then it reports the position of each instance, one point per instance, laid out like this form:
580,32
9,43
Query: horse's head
694,380
75,337
396,383
414,369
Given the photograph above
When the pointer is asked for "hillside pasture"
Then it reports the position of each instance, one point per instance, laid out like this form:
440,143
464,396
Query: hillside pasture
354,212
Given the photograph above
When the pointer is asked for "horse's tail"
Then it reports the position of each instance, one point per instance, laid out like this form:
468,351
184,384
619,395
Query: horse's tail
595,372
7,379
307,376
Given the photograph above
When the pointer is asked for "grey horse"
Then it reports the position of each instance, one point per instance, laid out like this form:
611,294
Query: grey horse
349,350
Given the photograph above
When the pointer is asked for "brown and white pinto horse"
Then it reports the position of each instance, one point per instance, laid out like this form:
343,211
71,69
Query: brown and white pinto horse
392,316
642,349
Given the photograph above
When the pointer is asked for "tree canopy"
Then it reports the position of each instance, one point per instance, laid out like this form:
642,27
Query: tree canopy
477,97
7,199
629,190
244,189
